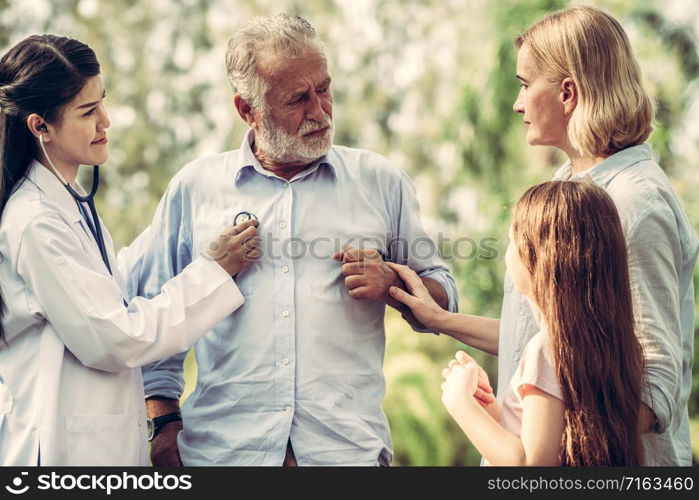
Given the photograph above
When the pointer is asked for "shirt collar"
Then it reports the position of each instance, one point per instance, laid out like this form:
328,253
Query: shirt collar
248,165
54,190
603,173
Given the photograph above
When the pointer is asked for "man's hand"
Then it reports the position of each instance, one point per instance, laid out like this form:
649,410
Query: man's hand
163,450
367,276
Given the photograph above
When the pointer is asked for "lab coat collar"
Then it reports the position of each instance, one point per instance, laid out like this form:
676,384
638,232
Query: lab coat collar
56,192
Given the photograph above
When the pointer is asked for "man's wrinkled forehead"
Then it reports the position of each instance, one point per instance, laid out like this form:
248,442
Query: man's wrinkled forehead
273,63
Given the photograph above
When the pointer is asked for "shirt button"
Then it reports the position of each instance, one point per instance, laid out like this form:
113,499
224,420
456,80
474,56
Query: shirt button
285,313
285,269
282,225
287,409
285,361
140,421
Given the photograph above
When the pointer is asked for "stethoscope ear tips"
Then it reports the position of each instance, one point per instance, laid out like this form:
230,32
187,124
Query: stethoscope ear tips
43,128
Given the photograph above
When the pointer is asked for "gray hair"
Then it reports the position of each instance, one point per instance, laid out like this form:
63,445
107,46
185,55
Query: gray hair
282,33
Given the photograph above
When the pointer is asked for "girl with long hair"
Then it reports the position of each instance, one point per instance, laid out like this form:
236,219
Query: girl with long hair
575,395
582,93
70,346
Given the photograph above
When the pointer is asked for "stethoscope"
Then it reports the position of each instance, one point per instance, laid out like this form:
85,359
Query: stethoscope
89,199
242,217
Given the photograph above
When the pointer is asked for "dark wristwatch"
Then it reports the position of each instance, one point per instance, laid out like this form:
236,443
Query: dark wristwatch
155,425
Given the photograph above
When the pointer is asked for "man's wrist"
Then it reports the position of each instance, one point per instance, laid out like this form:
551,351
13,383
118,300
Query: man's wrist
157,406
398,283
157,424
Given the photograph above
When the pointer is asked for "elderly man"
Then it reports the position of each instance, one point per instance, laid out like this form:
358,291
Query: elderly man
294,376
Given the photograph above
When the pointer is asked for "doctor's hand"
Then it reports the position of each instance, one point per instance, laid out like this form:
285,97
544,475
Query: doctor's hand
367,276
236,247
417,297
163,450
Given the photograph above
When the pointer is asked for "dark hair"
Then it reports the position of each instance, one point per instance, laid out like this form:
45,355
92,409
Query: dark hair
40,74
570,239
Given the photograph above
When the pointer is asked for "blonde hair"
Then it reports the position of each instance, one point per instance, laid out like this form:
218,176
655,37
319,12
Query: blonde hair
613,110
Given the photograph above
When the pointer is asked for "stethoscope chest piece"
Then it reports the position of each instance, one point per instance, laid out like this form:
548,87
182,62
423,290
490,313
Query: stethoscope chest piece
242,217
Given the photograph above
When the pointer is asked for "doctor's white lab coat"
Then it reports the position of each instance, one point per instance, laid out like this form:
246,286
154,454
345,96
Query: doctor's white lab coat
70,383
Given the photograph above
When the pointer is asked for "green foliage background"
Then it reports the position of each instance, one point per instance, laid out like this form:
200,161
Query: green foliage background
428,84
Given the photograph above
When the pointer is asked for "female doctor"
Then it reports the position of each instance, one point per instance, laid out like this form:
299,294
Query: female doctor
70,387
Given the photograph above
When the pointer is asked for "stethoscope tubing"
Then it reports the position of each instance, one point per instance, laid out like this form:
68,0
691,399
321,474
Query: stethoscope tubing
89,199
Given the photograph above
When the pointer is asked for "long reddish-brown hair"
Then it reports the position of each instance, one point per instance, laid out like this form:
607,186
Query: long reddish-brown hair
570,239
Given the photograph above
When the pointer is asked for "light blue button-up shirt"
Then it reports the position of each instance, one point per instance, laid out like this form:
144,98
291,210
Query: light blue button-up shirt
662,254
301,360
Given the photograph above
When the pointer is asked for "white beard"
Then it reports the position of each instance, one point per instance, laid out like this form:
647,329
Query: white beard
289,148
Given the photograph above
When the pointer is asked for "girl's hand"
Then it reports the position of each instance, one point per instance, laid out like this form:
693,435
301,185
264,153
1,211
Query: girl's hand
483,391
417,298
460,385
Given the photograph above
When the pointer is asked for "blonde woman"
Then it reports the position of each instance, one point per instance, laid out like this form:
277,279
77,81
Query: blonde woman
581,92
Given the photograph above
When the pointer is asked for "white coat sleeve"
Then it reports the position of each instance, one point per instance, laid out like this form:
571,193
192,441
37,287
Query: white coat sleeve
85,306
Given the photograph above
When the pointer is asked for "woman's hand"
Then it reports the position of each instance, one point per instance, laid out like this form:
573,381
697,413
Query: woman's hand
417,298
465,378
236,247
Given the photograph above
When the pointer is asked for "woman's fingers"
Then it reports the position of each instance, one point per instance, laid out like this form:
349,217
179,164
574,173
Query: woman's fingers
239,228
403,297
410,278
246,234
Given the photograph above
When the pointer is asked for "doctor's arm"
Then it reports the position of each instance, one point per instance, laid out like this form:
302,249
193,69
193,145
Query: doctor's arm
164,255
84,304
